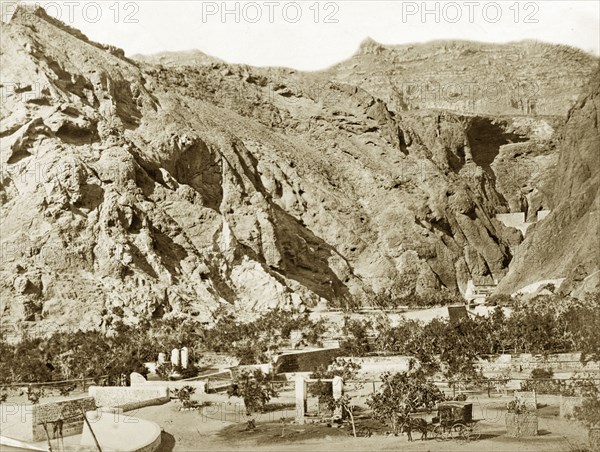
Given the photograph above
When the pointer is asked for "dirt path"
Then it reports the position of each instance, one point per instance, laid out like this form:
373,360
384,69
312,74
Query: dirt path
222,427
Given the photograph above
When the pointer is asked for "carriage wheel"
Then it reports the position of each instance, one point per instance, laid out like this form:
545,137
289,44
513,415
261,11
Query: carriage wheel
459,432
439,434
463,437
475,432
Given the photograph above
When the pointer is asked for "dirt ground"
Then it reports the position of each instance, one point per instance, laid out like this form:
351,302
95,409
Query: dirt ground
222,426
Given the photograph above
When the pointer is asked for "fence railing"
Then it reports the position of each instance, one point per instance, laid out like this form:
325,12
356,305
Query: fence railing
77,383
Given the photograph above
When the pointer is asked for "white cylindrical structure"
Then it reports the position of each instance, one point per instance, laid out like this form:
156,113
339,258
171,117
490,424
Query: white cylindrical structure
175,357
338,387
184,357
300,399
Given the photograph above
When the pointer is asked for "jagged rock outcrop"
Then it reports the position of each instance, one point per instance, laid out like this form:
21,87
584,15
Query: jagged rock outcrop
567,243
142,190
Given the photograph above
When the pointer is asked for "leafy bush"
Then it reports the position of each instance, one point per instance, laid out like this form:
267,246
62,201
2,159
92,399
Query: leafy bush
65,390
543,374
401,394
184,395
255,389
503,300
542,383
517,406
167,371
356,333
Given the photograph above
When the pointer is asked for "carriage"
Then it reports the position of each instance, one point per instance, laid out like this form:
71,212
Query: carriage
455,421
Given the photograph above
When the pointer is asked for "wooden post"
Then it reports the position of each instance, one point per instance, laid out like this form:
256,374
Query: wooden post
48,437
91,431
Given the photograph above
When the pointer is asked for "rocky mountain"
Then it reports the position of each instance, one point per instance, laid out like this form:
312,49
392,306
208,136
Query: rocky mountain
165,187
567,243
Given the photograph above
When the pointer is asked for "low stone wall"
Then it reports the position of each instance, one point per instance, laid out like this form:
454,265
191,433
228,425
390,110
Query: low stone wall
264,368
199,385
526,362
306,360
376,365
521,425
128,397
25,422
514,220
70,411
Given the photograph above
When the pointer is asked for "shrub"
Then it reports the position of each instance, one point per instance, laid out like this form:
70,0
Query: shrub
66,390
517,406
255,389
542,383
356,333
166,371
184,395
542,374
34,394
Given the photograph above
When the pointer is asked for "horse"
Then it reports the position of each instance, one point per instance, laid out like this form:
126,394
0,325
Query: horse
415,423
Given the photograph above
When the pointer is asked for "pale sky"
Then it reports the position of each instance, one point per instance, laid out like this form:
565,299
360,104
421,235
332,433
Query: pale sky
312,35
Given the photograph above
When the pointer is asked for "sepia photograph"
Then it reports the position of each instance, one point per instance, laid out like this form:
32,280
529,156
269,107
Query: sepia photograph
310,225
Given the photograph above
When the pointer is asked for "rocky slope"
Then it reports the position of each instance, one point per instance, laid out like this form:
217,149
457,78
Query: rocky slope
135,189
567,243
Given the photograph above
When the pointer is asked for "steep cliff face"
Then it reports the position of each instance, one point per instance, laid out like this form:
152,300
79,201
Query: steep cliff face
135,189
567,243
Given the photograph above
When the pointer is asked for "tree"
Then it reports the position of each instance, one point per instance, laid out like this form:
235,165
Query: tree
357,334
583,322
397,339
402,393
496,331
255,389
27,362
345,403
324,389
